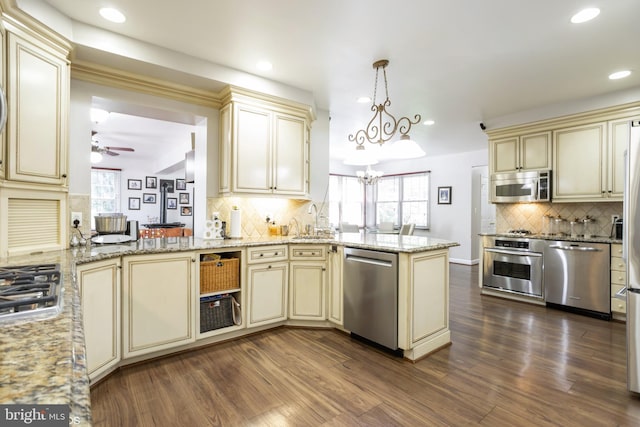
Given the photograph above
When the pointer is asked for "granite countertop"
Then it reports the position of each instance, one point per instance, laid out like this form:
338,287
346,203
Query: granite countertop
43,358
593,239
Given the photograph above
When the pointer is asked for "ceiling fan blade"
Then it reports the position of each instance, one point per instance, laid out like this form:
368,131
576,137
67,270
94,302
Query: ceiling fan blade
120,148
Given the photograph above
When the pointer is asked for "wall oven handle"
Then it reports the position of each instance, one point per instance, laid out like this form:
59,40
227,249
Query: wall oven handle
517,253
575,248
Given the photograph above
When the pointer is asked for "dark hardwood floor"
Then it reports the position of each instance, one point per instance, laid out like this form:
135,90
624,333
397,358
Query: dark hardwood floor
510,364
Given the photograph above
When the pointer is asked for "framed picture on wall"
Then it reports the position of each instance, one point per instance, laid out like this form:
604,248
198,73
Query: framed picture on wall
184,198
185,210
151,182
181,184
444,195
172,203
134,203
148,198
134,184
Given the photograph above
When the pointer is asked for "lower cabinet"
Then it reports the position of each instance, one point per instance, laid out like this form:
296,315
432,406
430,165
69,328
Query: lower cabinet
99,284
307,282
158,302
618,281
423,302
335,297
267,285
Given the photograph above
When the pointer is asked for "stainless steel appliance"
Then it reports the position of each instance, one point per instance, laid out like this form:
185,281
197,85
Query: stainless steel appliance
530,186
631,255
577,277
371,295
29,290
513,265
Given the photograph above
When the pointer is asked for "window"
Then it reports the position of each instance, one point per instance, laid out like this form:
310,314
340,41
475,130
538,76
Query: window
346,200
403,199
105,192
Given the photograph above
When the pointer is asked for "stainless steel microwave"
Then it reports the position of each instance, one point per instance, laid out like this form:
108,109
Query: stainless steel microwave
517,187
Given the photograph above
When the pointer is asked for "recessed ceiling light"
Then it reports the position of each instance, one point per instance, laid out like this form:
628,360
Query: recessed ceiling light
428,122
585,15
619,75
113,15
264,65
363,99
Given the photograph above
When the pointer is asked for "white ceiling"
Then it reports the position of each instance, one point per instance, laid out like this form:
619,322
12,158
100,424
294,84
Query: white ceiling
458,62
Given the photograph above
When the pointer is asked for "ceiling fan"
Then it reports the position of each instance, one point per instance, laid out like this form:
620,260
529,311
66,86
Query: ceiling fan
111,151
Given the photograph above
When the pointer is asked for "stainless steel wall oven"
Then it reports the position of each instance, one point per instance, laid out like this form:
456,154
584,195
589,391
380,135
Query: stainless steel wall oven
513,265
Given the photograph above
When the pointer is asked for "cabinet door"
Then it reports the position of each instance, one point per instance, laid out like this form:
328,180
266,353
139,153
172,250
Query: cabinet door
578,159
335,285
289,155
38,96
99,284
267,293
618,142
535,151
252,165
3,87
158,302
504,155
224,174
307,290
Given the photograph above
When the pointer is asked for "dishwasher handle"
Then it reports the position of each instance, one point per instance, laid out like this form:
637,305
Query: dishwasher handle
365,260
576,248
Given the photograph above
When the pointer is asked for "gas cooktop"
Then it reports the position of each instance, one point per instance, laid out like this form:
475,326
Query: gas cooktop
29,290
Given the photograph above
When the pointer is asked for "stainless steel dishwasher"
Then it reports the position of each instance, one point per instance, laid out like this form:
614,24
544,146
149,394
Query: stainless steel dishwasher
371,295
576,276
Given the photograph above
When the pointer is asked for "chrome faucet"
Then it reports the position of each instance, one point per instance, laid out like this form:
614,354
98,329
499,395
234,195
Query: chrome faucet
297,226
315,218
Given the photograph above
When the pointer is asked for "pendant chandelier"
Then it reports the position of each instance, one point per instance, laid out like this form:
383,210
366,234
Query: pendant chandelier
384,126
368,177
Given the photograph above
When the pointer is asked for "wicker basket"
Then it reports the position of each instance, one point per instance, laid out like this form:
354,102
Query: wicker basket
216,312
219,275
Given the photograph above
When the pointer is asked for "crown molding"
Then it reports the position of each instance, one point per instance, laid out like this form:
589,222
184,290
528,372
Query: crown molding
107,76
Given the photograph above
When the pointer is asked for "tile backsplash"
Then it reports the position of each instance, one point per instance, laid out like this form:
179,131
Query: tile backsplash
255,210
528,216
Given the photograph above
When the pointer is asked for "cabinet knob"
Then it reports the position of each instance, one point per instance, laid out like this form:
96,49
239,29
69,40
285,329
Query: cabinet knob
269,267
193,260
64,175
324,269
261,255
275,254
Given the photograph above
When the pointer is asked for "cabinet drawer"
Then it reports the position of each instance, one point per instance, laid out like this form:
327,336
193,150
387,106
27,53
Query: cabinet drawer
617,264
618,305
616,250
618,277
308,252
267,253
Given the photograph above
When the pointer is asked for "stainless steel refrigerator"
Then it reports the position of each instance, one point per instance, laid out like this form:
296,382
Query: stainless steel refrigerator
631,254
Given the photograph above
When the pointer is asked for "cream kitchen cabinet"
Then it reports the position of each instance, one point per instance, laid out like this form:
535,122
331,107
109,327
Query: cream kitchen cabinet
158,302
99,285
38,102
423,302
264,149
267,285
307,282
3,86
520,153
588,161
618,282
335,297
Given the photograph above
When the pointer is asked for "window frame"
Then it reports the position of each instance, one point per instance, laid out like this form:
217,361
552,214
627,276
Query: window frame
401,199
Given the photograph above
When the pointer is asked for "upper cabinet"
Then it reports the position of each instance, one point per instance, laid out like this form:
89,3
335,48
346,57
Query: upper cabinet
3,100
585,152
38,102
589,161
264,147
521,153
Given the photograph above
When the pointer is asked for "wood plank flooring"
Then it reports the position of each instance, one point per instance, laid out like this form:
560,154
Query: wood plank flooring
511,364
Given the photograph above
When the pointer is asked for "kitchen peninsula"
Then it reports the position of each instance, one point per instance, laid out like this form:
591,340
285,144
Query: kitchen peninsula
44,361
